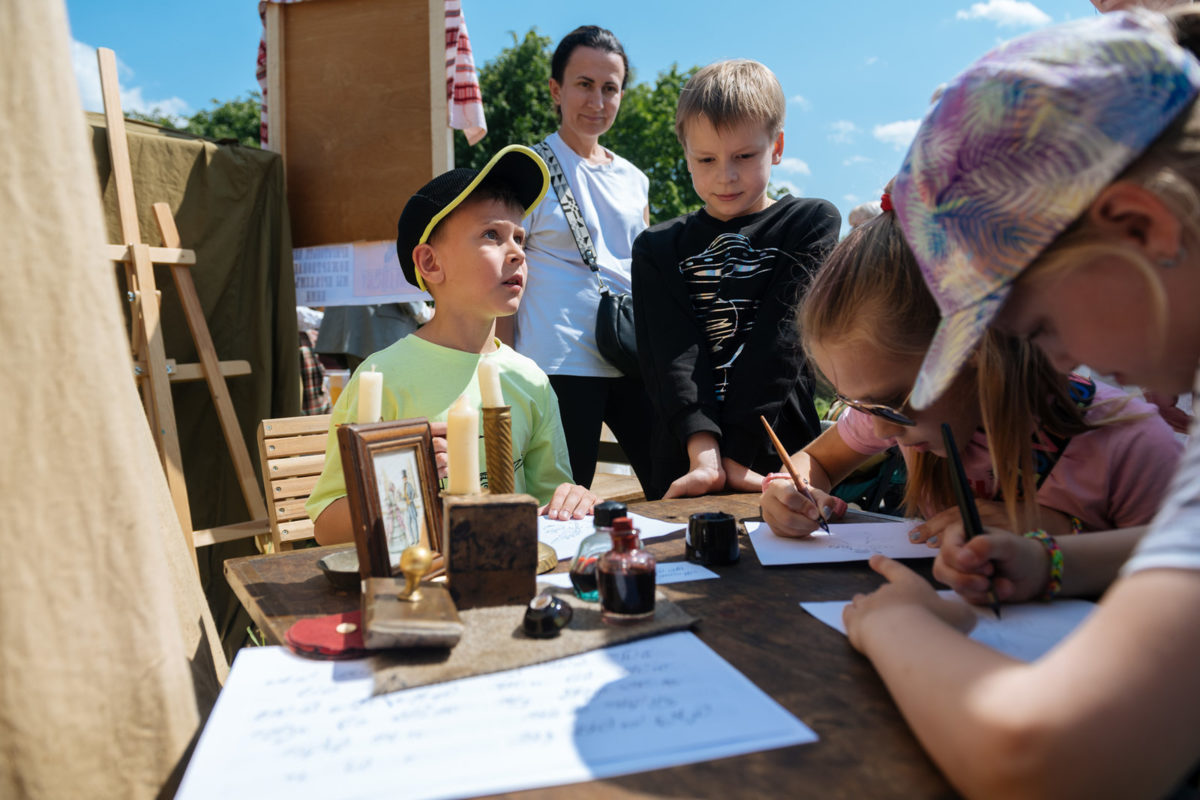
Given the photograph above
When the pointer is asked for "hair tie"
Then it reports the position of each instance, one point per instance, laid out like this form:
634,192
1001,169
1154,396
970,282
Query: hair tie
885,202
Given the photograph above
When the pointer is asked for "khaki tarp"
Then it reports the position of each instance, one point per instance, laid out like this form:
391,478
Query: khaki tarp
230,207
107,658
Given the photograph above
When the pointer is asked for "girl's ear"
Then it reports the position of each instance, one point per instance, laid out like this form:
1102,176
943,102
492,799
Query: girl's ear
555,92
428,267
1136,216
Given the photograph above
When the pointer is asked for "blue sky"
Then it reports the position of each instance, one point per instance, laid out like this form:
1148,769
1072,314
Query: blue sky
858,75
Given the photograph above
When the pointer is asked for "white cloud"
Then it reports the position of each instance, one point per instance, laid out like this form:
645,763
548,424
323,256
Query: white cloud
789,187
855,160
872,60
802,101
1007,13
852,199
87,76
843,131
795,165
898,134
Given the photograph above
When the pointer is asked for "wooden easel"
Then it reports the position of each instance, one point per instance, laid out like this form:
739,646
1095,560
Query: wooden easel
153,371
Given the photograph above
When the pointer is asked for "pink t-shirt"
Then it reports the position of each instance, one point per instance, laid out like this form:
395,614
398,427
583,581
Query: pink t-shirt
1114,476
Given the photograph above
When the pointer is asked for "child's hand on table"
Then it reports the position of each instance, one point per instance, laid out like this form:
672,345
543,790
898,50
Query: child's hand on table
1019,567
440,457
790,514
700,481
905,590
706,473
570,501
992,514
739,477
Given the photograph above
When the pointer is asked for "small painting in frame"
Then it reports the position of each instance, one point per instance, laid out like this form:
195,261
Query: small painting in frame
392,487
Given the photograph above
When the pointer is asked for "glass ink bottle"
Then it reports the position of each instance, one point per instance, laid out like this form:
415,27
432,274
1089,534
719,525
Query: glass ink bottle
625,576
594,545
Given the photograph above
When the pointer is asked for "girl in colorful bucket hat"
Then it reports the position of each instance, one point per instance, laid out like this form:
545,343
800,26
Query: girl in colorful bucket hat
1053,192
1100,458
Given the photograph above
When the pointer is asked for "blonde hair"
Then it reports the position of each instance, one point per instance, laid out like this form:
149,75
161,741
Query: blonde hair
729,93
870,289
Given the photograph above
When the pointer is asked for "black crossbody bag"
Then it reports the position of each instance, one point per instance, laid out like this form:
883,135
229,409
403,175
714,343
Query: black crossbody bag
615,335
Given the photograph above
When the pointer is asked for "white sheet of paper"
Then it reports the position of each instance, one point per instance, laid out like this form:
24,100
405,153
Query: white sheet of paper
565,535
665,572
290,727
855,541
1025,632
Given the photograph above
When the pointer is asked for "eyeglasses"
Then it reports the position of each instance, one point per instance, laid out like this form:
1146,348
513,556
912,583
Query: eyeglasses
879,410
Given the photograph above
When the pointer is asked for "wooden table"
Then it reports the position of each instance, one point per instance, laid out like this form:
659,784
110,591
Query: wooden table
751,617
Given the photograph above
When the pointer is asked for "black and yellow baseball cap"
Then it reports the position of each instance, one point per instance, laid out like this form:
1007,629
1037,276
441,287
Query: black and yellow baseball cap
515,167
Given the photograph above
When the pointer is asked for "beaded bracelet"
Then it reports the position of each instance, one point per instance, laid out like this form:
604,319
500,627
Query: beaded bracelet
775,476
1054,585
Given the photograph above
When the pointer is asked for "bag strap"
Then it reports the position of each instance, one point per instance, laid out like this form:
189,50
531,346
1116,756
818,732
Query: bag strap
566,199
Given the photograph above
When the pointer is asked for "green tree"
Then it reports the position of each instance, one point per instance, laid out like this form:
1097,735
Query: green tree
517,104
233,120
238,119
645,134
516,100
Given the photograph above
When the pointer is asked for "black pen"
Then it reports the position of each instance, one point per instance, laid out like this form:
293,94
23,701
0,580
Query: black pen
966,503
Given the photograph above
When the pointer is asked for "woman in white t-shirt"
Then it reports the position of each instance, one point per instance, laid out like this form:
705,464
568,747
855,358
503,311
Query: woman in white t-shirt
1052,193
555,325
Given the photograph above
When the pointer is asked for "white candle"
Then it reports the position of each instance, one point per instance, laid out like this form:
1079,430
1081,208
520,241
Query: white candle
489,384
370,395
462,447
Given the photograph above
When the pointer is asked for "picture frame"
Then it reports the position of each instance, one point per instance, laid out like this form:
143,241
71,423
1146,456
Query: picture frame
392,486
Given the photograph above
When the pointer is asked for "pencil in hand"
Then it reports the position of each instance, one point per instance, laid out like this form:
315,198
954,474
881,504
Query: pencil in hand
801,484
966,503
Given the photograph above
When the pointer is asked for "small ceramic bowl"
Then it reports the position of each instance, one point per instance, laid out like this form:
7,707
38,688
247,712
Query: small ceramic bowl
342,569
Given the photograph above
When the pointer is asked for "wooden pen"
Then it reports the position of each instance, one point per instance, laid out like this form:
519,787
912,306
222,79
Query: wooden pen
801,484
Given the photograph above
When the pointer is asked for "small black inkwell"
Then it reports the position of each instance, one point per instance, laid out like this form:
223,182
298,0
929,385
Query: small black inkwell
546,616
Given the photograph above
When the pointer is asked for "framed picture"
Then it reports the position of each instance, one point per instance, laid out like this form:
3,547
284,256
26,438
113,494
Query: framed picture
392,486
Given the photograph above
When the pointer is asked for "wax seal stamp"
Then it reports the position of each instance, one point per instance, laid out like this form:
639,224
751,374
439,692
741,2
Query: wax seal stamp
546,616
414,614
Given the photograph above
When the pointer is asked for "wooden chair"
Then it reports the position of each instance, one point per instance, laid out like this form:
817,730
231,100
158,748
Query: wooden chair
292,453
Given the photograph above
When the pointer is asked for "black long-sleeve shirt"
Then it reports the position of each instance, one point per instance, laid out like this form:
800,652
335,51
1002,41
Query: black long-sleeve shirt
713,307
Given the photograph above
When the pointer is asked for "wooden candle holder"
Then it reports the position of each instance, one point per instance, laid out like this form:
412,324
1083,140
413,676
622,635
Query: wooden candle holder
491,548
497,448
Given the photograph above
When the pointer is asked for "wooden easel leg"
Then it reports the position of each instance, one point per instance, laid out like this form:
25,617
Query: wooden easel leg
159,387
194,313
145,312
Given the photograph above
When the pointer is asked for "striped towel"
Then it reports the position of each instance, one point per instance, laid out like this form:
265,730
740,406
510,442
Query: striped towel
462,82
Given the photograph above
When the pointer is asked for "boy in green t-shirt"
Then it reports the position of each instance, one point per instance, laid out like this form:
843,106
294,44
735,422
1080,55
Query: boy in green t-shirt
460,238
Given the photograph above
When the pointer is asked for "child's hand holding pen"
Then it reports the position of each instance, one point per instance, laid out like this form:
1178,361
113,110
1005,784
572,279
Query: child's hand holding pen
817,510
1016,568
790,513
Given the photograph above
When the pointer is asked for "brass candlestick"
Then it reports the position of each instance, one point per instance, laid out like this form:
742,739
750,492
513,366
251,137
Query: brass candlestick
497,448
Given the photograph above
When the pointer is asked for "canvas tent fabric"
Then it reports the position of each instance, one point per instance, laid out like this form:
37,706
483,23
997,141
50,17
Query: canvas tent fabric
108,664
230,207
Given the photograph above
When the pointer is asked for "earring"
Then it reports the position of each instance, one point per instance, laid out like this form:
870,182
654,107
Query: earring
1167,262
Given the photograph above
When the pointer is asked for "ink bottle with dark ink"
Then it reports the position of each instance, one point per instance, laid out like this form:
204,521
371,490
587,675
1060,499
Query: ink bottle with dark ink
594,545
625,577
